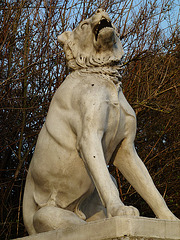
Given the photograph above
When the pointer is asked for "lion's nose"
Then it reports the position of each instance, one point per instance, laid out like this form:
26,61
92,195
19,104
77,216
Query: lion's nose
100,10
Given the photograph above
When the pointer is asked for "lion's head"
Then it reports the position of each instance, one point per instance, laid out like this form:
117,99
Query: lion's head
94,42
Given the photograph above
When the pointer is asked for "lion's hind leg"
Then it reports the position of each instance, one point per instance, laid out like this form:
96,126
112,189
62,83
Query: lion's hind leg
51,218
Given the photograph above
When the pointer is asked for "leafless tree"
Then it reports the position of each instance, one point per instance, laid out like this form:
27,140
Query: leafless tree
33,66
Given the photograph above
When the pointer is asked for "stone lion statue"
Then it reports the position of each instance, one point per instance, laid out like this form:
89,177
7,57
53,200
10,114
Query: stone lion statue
89,123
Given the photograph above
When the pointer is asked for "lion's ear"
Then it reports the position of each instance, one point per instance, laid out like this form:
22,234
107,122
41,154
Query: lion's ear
63,37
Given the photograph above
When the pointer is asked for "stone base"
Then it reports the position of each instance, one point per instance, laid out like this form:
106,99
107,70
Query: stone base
116,228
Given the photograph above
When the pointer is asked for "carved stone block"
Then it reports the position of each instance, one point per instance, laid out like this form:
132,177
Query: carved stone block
116,228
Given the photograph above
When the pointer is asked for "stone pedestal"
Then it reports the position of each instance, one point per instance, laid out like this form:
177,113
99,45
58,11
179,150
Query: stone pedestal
117,228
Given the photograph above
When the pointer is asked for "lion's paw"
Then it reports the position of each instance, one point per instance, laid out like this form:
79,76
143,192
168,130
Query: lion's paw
120,210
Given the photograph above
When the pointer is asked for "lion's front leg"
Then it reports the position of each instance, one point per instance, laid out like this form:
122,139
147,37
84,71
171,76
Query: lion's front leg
91,150
96,166
134,170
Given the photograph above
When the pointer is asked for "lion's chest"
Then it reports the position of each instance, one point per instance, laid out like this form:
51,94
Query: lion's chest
120,116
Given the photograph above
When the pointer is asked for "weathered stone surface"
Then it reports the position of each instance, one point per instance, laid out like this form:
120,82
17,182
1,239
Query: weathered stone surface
116,228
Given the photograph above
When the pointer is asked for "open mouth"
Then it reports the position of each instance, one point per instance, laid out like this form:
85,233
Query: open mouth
103,23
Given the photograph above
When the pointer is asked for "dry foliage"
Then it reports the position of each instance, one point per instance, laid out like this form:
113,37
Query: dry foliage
33,66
